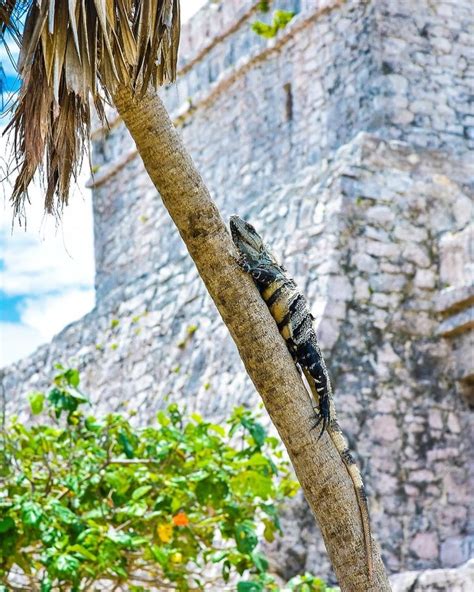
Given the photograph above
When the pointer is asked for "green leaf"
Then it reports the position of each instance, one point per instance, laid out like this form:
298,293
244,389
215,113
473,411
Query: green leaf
137,509
282,17
36,402
257,431
119,570
289,487
211,491
62,513
46,585
253,484
219,556
162,418
141,491
83,552
160,555
7,524
72,377
271,511
226,570
260,561
67,565
61,400
258,460
249,587
92,424
263,29
121,538
218,429
32,513
124,440
269,531
245,537
198,475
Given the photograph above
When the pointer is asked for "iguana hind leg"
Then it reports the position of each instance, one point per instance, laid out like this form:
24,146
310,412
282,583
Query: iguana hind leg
316,374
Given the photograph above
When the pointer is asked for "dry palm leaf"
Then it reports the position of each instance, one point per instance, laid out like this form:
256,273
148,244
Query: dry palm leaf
74,53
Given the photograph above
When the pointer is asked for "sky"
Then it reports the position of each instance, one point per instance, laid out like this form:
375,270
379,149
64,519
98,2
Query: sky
46,271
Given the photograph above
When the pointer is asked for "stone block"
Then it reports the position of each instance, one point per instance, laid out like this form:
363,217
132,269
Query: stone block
455,550
387,282
425,279
403,116
425,545
361,289
378,249
417,254
441,44
456,257
435,419
385,429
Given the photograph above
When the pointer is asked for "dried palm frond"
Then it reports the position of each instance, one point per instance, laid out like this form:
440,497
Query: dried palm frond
73,52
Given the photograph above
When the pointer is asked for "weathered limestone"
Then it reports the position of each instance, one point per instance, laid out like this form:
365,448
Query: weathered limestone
436,580
345,140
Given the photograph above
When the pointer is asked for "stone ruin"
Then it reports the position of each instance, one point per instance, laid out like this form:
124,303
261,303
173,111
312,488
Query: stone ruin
345,140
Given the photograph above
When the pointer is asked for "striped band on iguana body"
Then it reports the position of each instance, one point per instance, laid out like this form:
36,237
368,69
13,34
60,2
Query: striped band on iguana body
295,323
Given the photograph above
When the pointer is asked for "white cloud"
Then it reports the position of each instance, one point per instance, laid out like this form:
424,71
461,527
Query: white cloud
45,258
49,314
17,341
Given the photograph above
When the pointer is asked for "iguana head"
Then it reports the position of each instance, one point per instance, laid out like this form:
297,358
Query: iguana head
249,243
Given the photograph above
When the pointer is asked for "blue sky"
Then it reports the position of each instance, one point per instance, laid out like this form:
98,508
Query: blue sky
46,272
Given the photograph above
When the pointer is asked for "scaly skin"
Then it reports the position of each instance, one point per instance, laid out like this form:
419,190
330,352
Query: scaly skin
295,323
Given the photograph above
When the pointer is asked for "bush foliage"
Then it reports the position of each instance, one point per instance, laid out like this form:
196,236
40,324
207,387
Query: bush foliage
89,503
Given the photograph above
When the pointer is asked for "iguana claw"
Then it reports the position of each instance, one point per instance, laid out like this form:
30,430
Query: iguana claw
243,263
322,416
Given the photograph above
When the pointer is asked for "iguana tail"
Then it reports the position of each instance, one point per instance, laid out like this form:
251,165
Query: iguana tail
340,442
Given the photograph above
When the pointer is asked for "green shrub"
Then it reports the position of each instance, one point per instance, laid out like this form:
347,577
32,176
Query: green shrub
88,500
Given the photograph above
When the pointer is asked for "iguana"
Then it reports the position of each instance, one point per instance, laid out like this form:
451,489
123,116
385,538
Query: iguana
295,322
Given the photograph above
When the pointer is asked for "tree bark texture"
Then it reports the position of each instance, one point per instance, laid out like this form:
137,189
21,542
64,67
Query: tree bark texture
323,477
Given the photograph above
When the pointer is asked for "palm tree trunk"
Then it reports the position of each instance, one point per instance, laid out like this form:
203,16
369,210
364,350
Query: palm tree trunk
323,477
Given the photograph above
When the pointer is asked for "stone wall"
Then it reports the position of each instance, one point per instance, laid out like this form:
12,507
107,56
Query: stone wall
373,66
436,580
345,140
